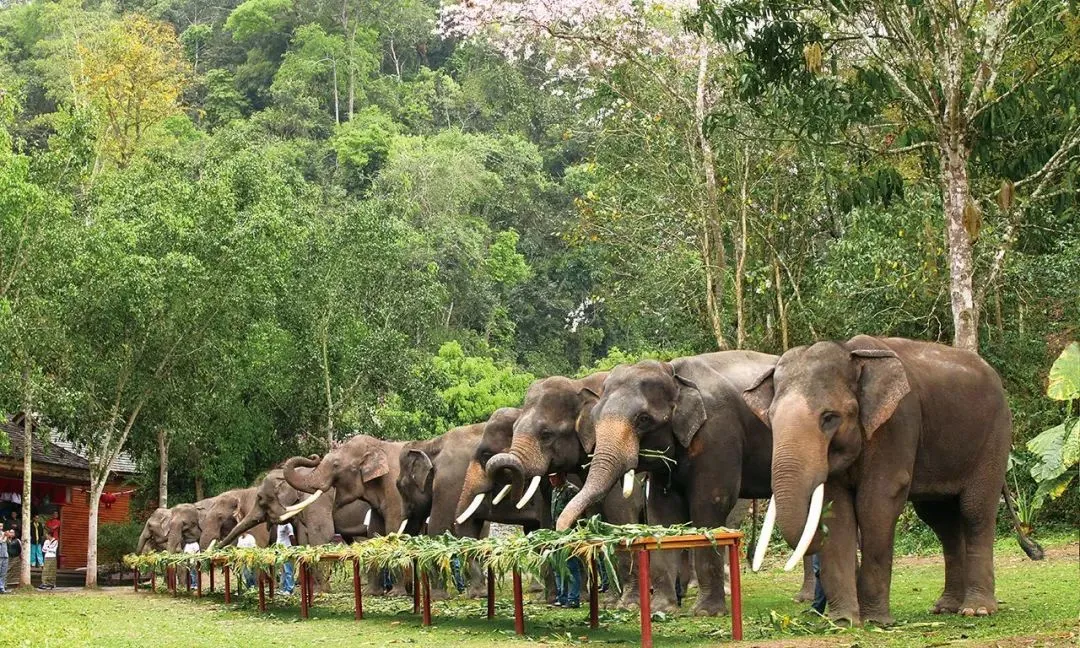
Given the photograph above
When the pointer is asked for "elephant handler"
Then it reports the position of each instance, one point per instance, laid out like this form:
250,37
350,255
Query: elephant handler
286,537
568,586
247,541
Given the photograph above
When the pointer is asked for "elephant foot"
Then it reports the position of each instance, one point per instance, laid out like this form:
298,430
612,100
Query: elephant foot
977,607
710,607
844,619
439,594
883,619
945,605
805,594
628,601
476,592
663,602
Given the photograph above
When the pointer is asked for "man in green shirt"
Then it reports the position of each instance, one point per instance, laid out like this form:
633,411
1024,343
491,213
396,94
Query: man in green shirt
568,587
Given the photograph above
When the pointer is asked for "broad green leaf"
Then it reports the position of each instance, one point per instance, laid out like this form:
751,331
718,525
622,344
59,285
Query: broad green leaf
1048,445
1064,384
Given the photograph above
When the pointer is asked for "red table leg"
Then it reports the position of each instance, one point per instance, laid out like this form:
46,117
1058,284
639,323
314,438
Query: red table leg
198,581
491,593
303,591
211,576
594,595
644,596
310,587
226,572
358,595
153,581
736,591
519,609
427,599
415,589
136,580
262,591
187,580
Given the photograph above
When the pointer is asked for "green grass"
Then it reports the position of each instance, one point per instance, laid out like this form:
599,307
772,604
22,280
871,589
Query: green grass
1040,604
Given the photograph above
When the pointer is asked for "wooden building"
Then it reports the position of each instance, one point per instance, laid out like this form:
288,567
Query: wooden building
61,483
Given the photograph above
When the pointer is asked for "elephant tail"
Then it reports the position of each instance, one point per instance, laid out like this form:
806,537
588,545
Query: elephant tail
1030,547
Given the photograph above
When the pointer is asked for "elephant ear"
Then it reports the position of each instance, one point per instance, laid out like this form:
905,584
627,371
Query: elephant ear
883,384
586,431
374,465
689,414
417,464
759,395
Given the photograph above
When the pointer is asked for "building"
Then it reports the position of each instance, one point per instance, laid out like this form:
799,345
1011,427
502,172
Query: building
61,482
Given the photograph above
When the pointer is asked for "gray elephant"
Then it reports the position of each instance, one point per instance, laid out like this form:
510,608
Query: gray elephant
155,533
225,512
547,438
185,523
863,426
684,422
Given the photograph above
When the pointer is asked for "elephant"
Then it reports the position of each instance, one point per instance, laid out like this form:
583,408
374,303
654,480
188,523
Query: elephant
547,438
684,422
225,512
868,425
155,533
184,523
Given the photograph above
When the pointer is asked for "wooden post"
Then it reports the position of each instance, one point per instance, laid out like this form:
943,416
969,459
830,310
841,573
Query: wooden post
415,589
310,578
491,593
136,579
262,591
427,600
198,580
736,591
358,595
303,591
594,595
188,580
226,572
519,610
211,576
153,581
271,581
644,596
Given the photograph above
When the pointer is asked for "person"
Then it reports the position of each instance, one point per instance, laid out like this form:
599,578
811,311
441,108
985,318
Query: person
193,571
819,592
53,524
286,537
247,541
567,586
4,537
37,536
48,550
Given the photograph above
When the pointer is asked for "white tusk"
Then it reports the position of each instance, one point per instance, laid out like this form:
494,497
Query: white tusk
628,484
812,519
401,529
648,482
766,534
288,515
427,520
476,502
501,496
212,544
308,501
367,518
529,492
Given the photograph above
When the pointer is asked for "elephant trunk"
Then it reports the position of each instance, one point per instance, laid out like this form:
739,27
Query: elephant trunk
144,538
799,470
616,455
254,517
477,485
319,478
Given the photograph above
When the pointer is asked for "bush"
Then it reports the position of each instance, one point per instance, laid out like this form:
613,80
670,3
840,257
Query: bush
115,540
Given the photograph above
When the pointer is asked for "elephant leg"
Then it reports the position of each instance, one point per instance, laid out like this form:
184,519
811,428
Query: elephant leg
839,556
711,501
806,592
978,510
944,519
628,583
477,581
665,509
878,507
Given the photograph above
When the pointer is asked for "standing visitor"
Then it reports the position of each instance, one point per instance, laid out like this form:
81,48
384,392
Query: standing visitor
247,541
48,549
4,535
193,571
568,586
286,537
53,524
37,536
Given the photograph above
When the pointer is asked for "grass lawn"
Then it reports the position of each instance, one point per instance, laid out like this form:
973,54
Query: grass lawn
1040,606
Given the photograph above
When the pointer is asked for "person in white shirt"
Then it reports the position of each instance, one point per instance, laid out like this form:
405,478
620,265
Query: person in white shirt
193,571
48,574
286,537
247,541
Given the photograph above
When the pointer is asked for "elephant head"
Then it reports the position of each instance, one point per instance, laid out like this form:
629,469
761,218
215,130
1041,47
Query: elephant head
363,468
224,513
184,524
416,481
498,432
552,432
822,403
649,399
155,533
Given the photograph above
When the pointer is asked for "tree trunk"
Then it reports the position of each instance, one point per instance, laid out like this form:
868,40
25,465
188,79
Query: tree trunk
28,453
163,468
199,493
97,485
781,307
337,103
740,263
956,196
712,239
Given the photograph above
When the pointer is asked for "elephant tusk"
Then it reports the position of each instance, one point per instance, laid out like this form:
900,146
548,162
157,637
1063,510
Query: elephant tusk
427,520
367,518
213,543
648,482
501,496
766,533
812,519
475,504
288,515
529,492
308,501
401,529
628,484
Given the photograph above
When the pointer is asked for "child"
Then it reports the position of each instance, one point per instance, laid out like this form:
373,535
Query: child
48,574
37,535
4,536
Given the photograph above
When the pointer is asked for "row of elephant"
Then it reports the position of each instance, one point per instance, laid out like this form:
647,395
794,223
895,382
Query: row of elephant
838,436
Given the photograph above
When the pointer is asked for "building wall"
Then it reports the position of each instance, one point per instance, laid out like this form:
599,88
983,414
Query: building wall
75,518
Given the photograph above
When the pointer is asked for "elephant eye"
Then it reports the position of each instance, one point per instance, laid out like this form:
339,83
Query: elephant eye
829,421
643,419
